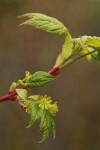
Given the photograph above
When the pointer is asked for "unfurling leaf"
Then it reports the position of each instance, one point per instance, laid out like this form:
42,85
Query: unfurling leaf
42,110
22,94
88,44
46,23
93,42
40,78
66,51
35,97
81,42
87,50
67,47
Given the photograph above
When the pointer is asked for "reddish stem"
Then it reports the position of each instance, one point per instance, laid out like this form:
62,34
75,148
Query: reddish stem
4,98
54,71
13,95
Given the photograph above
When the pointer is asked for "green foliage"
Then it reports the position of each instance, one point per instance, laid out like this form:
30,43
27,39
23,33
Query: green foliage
88,44
67,47
66,51
25,81
71,47
40,78
93,41
45,23
85,51
22,94
37,79
41,110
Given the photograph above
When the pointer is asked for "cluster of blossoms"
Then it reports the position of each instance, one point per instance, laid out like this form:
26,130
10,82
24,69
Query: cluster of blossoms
43,102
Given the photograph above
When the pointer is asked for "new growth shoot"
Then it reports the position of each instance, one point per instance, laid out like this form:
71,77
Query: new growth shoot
41,108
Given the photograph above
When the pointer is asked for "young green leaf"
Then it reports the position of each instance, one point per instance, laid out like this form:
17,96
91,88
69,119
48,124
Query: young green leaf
66,51
77,47
93,42
40,78
46,23
87,50
22,94
88,44
34,111
67,47
46,125
88,41
96,54
35,97
42,110
81,42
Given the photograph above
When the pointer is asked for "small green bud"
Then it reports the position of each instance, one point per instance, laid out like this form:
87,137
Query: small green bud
20,82
13,86
27,76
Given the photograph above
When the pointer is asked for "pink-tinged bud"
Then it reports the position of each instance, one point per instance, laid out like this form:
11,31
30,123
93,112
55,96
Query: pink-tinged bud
54,71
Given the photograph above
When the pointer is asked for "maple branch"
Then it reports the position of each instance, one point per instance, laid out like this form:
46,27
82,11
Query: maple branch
54,71
12,95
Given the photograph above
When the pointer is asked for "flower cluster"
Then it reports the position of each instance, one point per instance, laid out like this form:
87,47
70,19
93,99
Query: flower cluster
45,102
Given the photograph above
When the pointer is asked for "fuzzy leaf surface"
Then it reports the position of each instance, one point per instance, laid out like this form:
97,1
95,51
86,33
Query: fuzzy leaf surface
43,117
93,42
88,44
44,22
40,78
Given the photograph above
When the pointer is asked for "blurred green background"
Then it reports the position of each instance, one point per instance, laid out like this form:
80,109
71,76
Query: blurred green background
77,88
